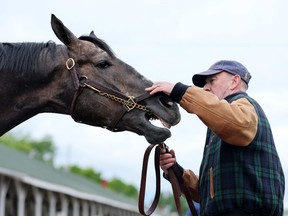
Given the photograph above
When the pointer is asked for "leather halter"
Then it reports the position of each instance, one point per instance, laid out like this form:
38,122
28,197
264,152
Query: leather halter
80,82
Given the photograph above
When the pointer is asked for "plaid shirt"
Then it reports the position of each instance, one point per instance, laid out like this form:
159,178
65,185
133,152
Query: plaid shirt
246,178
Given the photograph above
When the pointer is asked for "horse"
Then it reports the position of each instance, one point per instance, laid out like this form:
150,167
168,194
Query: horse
82,78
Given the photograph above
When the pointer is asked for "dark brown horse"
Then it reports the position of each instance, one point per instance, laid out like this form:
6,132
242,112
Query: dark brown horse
82,78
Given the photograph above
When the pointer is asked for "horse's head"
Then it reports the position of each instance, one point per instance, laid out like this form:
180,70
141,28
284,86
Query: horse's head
110,93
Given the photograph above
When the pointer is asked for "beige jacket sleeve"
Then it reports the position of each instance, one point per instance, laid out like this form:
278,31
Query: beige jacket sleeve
235,123
192,182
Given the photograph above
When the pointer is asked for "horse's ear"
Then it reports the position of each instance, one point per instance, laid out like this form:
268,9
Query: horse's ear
61,31
92,34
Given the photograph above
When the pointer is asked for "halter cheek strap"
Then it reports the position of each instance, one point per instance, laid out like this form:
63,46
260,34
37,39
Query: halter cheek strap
70,65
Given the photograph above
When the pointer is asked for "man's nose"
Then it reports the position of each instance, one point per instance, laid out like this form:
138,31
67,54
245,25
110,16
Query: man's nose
206,87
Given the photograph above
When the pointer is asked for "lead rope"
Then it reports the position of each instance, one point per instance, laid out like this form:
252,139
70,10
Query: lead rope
175,178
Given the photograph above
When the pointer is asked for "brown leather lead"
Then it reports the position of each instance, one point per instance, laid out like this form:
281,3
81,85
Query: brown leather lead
176,180
141,201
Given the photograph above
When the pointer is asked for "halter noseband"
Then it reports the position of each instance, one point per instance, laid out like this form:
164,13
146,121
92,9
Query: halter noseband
80,82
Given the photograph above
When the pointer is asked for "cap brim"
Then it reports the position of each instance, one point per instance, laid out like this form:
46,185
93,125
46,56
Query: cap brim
200,78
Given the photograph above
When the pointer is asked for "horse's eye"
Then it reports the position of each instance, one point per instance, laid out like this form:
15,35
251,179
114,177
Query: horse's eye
103,65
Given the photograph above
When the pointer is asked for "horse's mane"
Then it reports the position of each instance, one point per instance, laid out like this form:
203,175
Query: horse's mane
23,57
98,42
26,59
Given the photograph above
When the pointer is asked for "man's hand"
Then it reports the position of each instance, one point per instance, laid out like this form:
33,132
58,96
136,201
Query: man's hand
164,87
167,159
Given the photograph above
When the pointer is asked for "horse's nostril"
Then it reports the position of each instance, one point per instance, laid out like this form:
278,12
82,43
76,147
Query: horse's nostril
170,103
166,102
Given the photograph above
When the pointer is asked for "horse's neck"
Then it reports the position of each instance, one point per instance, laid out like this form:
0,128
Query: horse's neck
25,95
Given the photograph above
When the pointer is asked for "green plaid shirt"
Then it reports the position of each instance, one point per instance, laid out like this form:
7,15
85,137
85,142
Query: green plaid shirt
244,178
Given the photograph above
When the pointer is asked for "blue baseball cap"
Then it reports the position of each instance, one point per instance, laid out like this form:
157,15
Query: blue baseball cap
229,66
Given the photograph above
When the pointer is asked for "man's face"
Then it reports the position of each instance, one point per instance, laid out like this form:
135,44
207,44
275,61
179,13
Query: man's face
219,84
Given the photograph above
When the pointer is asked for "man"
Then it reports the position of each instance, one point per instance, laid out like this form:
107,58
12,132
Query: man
240,173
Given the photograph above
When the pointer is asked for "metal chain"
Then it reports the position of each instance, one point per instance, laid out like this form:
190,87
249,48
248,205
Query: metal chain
129,104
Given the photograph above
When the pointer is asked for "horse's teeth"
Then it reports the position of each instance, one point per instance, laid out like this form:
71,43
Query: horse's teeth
165,124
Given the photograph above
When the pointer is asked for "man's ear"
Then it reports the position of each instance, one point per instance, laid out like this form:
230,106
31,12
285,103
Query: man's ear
236,82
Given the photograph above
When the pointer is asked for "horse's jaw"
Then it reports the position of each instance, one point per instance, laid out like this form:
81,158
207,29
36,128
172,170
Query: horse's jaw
144,125
156,135
153,134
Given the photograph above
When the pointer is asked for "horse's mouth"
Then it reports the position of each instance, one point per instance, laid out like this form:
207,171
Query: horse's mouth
156,130
152,118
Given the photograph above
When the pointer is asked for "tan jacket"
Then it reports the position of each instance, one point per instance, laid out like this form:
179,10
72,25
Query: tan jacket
235,123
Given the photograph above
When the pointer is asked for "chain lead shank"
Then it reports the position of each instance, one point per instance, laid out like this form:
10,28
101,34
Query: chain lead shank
129,103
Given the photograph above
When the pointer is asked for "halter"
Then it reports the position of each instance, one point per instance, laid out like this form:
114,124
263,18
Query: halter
80,82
